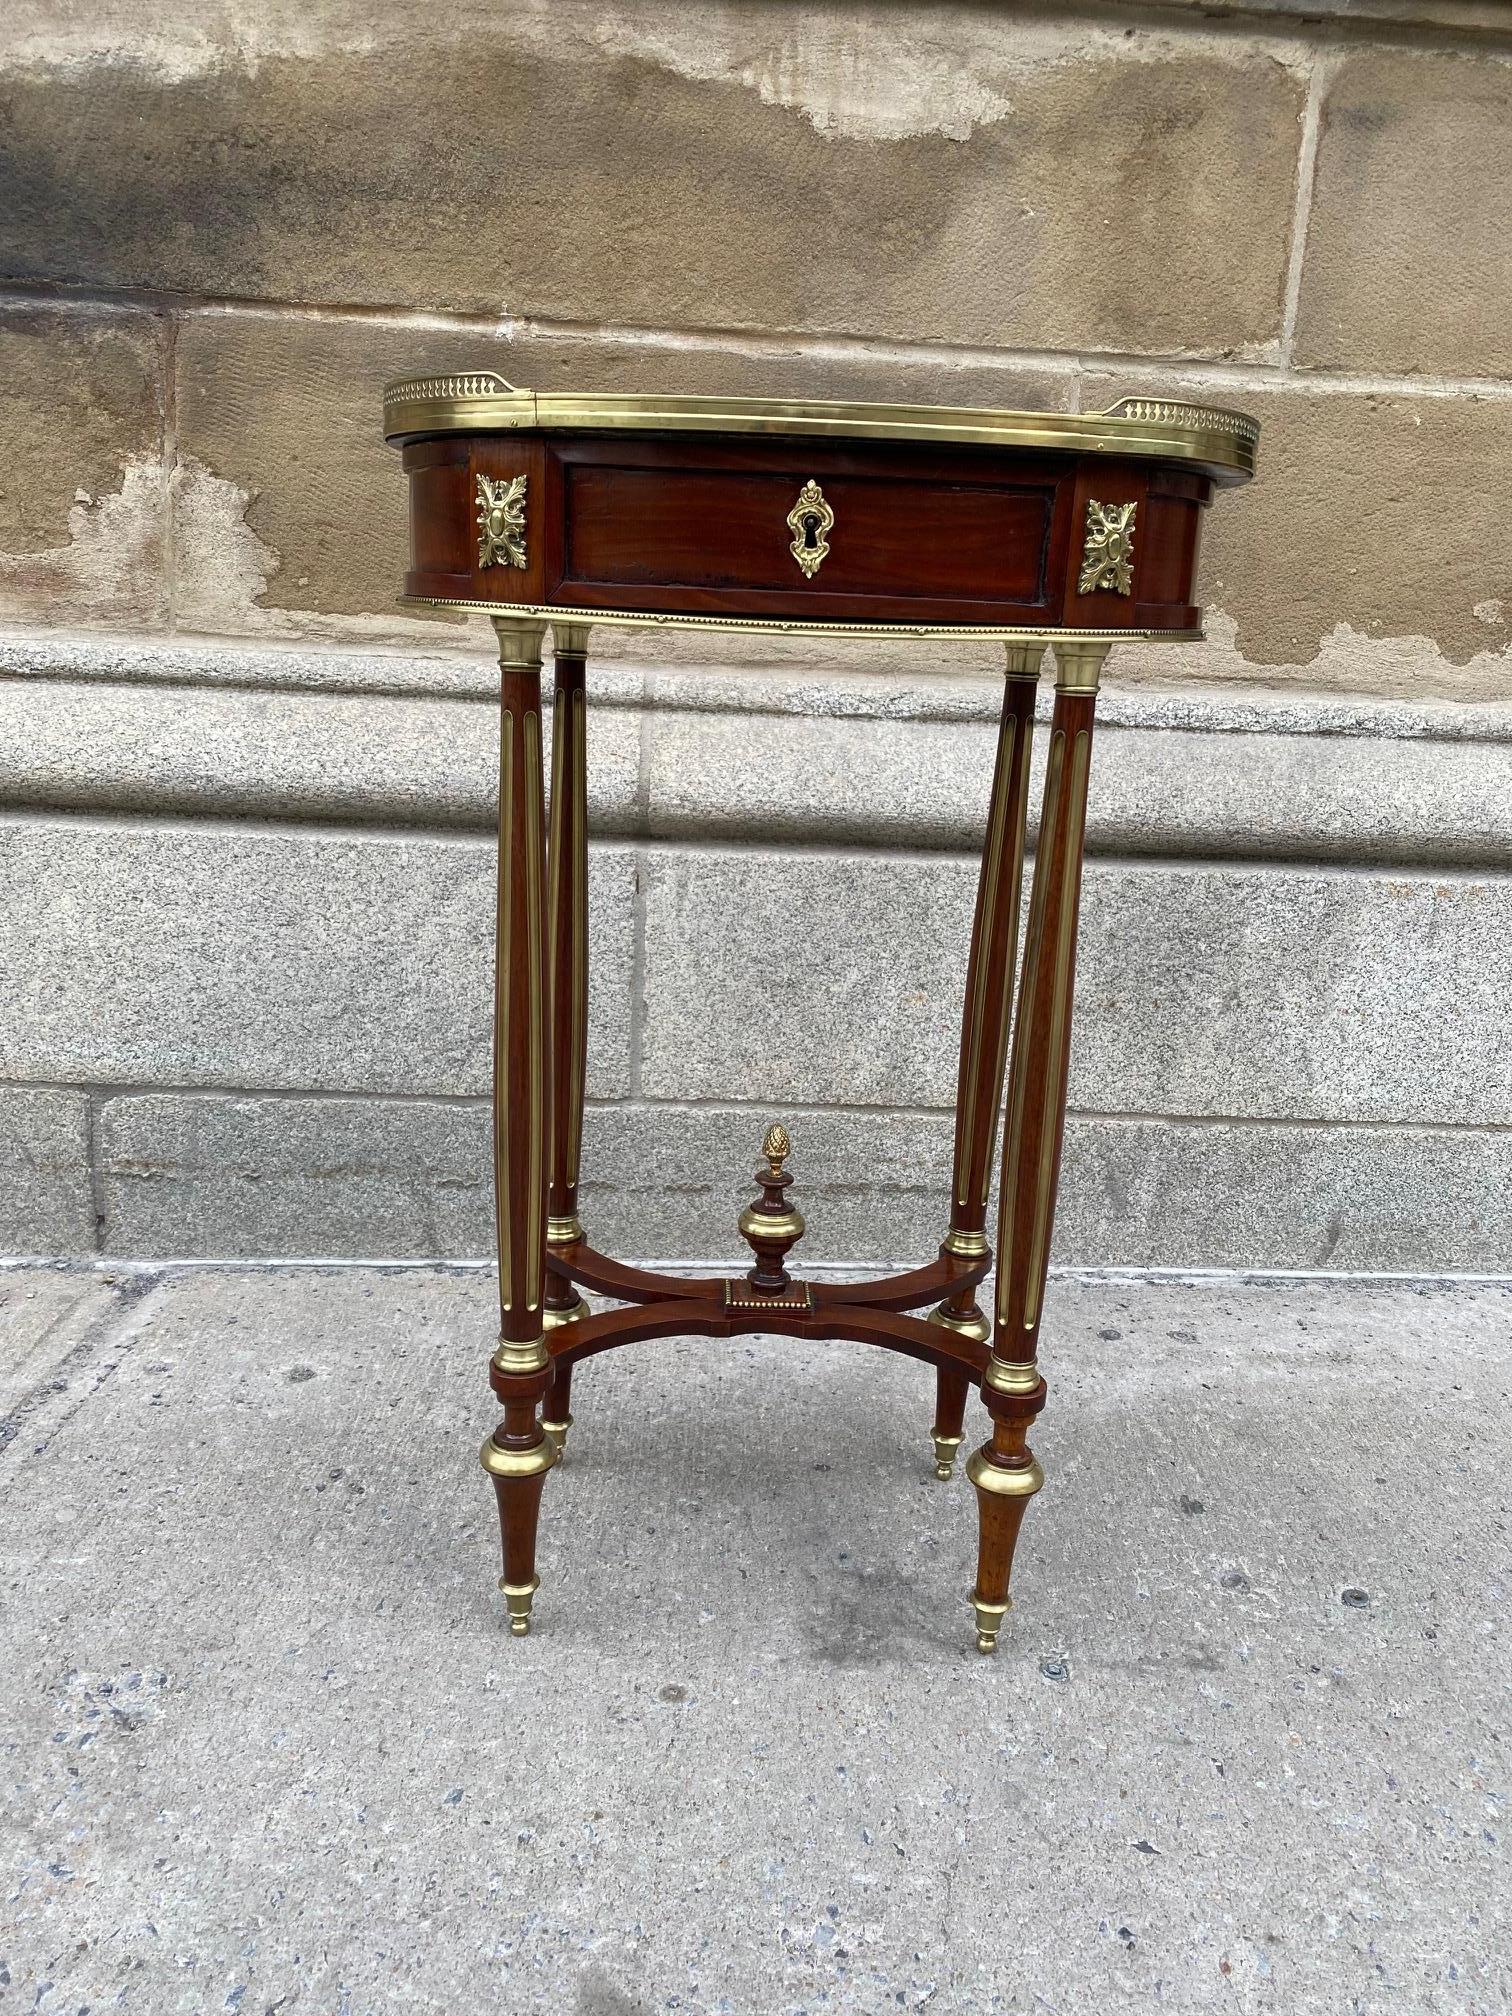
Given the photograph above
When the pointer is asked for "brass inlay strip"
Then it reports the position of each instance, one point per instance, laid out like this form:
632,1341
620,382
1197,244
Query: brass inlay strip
535,1160
504,939
579,789
992,863
554,869
1039,902
1016,871
1060,1011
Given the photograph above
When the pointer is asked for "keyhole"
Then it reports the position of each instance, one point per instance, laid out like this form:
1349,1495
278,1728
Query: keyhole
810,531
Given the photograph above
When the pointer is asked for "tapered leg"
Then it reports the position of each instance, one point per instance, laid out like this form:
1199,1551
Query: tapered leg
948,1433
519,1453
566,987
1004,1471
556,1414
985,1017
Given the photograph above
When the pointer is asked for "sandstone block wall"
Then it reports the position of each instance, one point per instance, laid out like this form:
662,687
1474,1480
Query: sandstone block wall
245,801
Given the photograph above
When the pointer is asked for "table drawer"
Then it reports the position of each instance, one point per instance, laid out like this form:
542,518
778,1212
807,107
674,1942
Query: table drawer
837,535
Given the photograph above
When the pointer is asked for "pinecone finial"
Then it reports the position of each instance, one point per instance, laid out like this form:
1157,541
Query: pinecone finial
776,1146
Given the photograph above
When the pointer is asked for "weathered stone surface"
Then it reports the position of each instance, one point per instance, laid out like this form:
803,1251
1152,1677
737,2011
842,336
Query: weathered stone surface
1481,18
1409,242
45,1200
1169,1193
81,475
1202,789
394,761
135,660
841,986
288,499
959,176
197,955
108,724
192,1176
208,1175
1374,517
750,758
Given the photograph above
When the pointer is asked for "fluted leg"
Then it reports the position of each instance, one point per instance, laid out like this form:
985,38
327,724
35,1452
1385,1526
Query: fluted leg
985,1020
566,987
1004,1471
519,1453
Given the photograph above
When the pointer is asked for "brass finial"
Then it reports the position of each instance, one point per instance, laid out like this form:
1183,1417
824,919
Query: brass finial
776,1147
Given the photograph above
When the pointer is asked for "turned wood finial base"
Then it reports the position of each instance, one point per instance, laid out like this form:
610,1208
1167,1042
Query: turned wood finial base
771,1226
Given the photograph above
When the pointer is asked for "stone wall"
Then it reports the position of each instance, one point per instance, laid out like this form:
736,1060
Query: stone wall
245,802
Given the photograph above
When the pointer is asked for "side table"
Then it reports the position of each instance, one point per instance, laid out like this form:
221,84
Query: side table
572,510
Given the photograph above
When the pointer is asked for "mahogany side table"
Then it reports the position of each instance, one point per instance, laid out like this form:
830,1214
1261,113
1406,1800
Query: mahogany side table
926,522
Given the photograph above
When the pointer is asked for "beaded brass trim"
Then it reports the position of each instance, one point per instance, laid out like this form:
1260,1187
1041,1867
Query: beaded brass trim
656,619
740,1295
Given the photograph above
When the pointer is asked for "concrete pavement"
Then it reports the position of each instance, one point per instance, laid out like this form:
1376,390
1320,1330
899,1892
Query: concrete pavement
269,1746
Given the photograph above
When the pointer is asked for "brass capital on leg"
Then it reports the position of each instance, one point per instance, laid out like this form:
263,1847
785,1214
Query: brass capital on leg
520,640
1078,664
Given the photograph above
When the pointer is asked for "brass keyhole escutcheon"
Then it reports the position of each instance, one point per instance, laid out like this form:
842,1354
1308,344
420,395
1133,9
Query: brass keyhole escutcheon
810,521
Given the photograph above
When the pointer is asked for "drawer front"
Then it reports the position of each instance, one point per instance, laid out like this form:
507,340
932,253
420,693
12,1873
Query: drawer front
803,537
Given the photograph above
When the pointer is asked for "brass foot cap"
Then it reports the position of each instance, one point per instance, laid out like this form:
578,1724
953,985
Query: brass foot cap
989,1621
557,1430
518,1597
945,1447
